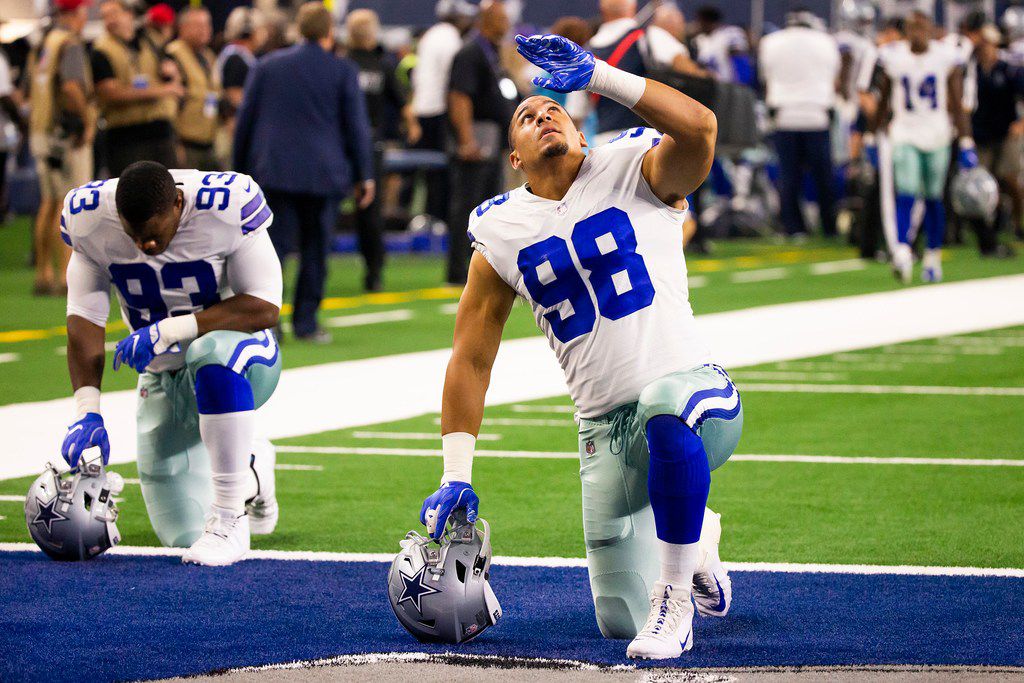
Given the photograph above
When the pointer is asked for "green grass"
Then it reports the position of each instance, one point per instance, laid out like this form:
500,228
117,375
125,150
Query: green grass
772,511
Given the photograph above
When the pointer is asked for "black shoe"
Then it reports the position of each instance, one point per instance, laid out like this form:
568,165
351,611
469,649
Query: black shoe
317,337
1000,251
373,283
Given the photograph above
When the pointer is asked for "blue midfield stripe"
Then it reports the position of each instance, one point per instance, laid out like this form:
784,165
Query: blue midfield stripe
257,220
261,611
250,208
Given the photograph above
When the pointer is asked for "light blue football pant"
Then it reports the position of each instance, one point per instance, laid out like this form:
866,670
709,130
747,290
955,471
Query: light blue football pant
618,524
918,172
174,467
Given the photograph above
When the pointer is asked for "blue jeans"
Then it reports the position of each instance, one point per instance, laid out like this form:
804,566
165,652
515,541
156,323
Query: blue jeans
800,151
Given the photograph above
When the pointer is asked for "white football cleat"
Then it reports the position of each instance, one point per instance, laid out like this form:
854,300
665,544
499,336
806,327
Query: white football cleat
224,541
712,588
262,507
903,263
668,632
931,266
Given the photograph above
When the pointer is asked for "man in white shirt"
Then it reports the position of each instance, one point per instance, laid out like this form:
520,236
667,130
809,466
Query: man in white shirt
800,66
434,55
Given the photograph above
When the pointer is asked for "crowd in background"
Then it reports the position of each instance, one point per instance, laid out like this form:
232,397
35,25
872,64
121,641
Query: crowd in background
171,87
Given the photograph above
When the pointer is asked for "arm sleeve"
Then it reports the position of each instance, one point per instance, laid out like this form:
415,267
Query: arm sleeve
254,269
235,71
355,125
101,68
88,290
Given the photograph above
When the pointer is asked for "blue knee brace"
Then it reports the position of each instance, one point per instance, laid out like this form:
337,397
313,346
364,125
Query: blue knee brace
678,480
222,390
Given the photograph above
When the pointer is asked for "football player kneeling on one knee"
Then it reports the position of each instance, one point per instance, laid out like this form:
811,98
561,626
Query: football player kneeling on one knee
592,242
199,286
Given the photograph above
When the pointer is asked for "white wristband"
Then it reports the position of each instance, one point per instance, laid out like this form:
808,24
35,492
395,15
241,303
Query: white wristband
87,400
621,86
176,329
966,142
457,450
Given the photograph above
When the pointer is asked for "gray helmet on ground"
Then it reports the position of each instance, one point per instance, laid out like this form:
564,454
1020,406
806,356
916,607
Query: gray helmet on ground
72,515
975,194
440,590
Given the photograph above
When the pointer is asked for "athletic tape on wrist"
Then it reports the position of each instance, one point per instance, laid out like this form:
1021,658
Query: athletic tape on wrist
87,400
625,88
457,450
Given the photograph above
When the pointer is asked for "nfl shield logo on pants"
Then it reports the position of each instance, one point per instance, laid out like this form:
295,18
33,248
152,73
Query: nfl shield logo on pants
590,448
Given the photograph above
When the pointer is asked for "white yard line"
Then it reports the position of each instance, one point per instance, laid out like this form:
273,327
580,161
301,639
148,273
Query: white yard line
739,457
299,468
864,357
12,499
774,567
741,375
9,357
696,281
984,341
521,408
369,318
831,367
928,349
832,267
761,275
881,389
398,387
519,422
416,436
449,309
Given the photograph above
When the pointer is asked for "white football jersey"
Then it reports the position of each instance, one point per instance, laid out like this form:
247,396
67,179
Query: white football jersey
223,212
604,272
920,98
715,50
859,49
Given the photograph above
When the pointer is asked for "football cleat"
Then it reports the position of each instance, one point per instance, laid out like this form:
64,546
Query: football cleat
224,541
712,588
262,508
903,263
668,632
931,266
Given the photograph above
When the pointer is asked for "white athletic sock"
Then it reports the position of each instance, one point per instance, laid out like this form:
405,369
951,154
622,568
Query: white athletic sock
228,438
678,562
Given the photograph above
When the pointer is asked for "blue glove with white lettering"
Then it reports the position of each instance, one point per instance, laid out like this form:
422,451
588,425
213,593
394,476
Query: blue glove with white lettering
452,496
87,432
571,67
137,349
968,155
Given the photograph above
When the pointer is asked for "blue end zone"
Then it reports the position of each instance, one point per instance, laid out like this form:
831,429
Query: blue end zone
122,618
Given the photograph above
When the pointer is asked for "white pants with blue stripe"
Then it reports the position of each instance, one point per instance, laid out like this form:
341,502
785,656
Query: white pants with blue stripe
618,524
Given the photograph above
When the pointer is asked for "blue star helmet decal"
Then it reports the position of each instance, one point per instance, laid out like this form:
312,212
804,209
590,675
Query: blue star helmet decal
48,514
413,588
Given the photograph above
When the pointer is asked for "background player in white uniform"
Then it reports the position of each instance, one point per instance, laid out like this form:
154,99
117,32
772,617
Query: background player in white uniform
722,49
922,87
593,243
199,285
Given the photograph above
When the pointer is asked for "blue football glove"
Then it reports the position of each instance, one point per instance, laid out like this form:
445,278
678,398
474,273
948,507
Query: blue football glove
871,153
571,67
87,432
139,348
968,156
452,496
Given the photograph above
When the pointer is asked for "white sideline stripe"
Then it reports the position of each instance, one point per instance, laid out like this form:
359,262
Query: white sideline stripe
774,567
831,267
696,281
929,349
526,370
882,389
519,422
9,357
890,358
12,499
300,468
521,408
369,318
572,455
829,366
741,375
416,436
449,309
762,275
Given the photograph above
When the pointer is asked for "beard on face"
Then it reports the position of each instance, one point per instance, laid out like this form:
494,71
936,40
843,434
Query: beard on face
556,150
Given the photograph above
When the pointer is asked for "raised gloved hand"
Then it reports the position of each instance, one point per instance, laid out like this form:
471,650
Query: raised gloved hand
86,432
571,67
452,496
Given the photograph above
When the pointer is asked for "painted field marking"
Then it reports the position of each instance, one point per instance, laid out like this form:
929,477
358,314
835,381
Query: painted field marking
828,366
935,348
762,275
415,436
775,567
369,318
299,468
696,281
449,309
519,422
572,455
12,499
982,341
882,389
832,267
772,374
9,357
889,357
523,408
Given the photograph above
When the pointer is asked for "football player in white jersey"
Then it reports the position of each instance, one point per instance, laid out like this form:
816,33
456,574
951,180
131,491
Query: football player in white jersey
921,87
723,49
592,242
199,285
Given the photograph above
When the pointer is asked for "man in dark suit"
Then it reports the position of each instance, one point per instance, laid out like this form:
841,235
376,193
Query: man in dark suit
303,133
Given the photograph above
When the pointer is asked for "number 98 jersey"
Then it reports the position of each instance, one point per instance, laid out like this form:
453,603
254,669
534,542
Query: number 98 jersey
604,272
224,214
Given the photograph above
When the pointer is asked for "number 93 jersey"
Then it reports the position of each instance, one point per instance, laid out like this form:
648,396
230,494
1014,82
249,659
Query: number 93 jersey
920,93
224,214
604,272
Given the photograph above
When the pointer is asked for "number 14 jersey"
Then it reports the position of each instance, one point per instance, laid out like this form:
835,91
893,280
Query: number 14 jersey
920,93
604,272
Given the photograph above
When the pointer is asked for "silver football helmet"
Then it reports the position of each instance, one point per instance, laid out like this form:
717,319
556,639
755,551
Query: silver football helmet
975,194
72,515
1012,22
857,15
440,590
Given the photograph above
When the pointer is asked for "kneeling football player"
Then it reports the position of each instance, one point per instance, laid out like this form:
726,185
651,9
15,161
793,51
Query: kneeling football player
592,242
199,285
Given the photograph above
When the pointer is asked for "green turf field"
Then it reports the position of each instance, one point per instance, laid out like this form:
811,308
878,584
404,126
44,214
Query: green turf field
963,398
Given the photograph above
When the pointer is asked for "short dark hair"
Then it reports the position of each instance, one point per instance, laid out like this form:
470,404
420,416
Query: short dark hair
709,14
144,190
